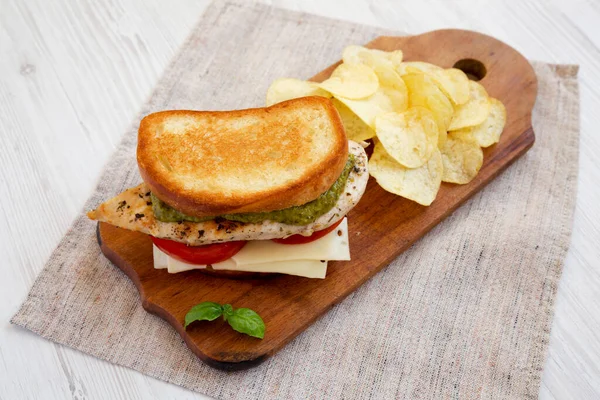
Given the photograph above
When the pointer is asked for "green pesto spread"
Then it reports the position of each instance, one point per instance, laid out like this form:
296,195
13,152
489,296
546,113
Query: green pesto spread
297,215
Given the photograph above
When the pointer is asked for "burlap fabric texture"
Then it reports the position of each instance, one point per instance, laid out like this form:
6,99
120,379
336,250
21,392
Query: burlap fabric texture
465,313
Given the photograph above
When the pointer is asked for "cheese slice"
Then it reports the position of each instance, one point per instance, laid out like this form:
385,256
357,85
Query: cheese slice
161,260
308,260
174,266
305,268
333,246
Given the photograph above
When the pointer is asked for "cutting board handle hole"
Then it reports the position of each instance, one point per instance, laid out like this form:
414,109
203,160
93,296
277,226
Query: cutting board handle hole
474,69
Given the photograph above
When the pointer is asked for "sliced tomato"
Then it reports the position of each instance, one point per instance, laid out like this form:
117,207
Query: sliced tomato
200,255
299,239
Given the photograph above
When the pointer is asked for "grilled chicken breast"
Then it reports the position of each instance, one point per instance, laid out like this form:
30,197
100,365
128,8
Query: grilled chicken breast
132,210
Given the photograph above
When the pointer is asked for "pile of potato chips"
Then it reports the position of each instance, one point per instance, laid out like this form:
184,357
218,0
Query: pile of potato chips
428,123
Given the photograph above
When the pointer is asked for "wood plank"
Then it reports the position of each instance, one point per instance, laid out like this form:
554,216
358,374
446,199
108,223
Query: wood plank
289,304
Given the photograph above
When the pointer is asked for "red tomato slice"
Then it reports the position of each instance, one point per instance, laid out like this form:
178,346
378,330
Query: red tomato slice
200,255
299,239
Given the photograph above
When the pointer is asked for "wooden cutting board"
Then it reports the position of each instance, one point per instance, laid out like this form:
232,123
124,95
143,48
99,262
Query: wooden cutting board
380,227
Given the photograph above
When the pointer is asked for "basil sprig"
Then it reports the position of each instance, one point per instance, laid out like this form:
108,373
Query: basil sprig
242,320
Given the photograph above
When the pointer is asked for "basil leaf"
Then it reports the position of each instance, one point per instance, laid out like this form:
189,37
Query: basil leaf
246,321
227,311
243,320
207,311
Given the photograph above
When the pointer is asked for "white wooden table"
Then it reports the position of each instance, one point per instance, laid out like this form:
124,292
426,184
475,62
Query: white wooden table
73,75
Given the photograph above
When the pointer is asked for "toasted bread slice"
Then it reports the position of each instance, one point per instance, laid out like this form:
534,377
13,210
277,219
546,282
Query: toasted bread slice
208,163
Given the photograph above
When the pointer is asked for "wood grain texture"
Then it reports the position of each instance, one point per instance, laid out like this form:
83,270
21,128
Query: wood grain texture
75,73
380,227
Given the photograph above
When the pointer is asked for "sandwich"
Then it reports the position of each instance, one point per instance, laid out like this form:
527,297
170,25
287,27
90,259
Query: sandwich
263,190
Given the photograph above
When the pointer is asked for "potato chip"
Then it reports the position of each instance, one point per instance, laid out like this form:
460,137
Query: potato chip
384,100
393,86
462,160
371,57
288,88
396,57
352,81
388,77
361,55
398,98
411,70
411,67
487,133
473,112
424,92
408,109
455,84
420,184
356,129
410,137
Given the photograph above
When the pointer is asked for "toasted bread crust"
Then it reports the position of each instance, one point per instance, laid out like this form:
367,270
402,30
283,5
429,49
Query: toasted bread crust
208,163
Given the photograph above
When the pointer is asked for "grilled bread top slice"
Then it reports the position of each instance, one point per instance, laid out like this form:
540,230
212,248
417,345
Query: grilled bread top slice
208,163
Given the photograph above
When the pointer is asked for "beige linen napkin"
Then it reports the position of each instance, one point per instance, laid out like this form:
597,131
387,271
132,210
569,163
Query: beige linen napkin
464,313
